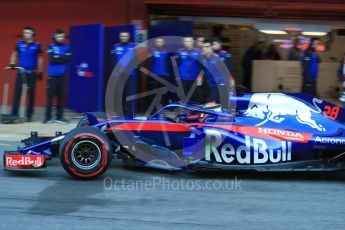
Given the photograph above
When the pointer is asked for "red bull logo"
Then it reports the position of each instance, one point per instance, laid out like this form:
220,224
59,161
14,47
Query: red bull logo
255,150
19,161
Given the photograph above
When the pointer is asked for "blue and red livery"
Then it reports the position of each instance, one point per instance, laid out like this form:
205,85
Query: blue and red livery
266,132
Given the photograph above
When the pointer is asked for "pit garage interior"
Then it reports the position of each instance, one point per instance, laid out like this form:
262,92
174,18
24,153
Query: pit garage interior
238,23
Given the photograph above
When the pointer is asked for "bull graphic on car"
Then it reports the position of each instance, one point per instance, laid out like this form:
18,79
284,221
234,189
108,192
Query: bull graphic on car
275,107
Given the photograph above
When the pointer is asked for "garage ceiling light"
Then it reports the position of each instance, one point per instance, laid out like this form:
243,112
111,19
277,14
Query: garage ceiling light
295,29
314,33
273,31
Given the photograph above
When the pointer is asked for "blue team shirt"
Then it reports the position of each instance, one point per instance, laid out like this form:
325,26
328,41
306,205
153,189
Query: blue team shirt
58,51
310,63
214,72
119,51
28,54
159,62
225,57
188,64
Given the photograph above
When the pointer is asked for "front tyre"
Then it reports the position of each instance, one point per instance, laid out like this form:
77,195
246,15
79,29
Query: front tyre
85,153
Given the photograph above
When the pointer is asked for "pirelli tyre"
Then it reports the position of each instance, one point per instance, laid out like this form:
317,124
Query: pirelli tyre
101,116
85,153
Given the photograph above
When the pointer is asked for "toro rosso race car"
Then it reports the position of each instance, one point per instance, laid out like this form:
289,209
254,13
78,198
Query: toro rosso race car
266,132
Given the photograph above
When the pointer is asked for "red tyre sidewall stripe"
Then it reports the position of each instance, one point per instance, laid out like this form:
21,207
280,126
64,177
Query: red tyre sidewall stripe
104,154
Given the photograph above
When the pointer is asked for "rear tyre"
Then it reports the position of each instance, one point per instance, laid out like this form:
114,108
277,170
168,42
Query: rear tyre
85,153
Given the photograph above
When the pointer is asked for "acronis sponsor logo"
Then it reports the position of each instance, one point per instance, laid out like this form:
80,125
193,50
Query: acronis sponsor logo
329,140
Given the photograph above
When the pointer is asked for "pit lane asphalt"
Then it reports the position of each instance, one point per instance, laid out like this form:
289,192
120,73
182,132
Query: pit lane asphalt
146,199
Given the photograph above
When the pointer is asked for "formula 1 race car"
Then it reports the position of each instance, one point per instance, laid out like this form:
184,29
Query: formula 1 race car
266,132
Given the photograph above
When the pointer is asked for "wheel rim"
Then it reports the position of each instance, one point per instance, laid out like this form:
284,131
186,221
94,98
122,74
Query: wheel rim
86,155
